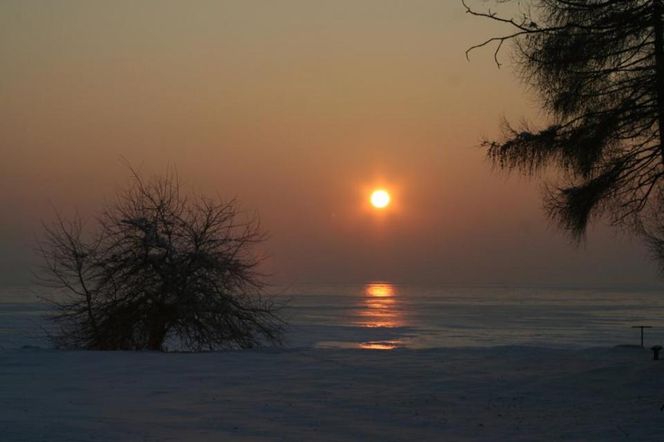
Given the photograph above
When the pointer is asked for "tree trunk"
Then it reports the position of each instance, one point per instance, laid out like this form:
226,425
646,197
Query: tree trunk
659,69
156,338
157,332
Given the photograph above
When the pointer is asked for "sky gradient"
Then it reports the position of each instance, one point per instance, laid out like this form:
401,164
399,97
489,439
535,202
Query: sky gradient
299,109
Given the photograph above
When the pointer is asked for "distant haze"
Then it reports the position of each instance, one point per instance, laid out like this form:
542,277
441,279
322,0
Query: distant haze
298,108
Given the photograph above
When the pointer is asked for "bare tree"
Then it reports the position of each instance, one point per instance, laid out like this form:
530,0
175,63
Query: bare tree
598,66
159,267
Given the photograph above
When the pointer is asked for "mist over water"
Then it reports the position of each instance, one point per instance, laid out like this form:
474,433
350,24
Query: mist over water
384,316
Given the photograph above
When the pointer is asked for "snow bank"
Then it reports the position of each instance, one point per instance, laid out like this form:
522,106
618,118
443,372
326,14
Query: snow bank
477,394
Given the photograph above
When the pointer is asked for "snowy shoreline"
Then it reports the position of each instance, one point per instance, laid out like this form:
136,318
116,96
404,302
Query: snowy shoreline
558,386
476,394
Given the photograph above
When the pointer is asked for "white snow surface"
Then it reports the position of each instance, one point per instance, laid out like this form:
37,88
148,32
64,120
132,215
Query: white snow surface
508,393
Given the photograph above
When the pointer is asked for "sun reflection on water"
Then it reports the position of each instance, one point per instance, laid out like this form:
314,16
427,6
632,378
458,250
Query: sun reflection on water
382,345
380,306
379,290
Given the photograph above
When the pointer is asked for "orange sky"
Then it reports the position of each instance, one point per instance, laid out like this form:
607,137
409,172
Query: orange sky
297,108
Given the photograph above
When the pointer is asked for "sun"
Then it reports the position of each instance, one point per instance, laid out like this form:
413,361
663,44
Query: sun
380,199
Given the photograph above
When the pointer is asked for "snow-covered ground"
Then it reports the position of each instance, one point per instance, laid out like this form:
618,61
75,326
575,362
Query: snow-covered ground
475,394
465,366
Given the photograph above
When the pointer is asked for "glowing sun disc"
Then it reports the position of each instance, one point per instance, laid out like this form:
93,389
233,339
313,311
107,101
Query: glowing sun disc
380,199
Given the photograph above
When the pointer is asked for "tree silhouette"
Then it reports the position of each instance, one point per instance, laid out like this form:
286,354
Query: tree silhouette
159,267
598,66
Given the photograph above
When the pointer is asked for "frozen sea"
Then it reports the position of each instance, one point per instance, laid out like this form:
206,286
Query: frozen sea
383,316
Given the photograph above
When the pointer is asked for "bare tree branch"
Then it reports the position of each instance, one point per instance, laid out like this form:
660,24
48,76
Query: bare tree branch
160,268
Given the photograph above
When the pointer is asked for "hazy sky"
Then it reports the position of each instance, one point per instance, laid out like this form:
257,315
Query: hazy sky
298,108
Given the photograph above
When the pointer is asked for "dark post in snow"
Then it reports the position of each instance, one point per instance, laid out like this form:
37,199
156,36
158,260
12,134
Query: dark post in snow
641,327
